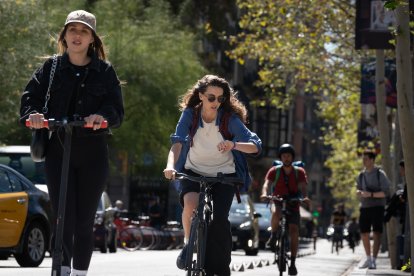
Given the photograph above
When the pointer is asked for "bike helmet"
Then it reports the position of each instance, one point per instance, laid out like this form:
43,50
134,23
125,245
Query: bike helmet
287,148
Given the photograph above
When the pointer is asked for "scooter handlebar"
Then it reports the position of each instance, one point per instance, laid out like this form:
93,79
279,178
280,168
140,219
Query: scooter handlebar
52,122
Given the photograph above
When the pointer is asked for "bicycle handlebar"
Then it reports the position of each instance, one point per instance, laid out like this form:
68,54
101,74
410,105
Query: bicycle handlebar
54,123
281,199
228,180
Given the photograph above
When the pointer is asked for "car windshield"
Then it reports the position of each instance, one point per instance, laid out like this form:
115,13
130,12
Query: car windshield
264,210
100,206
241,209
24,164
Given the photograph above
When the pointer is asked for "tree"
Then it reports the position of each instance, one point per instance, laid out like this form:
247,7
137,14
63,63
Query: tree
20,43
405,95
155,56
309,44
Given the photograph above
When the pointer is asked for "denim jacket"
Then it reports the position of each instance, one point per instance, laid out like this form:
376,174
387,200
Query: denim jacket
236,127
98,93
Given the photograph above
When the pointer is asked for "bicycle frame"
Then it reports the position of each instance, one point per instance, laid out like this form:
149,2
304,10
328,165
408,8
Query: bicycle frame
281,256
282,242
198,232
201,220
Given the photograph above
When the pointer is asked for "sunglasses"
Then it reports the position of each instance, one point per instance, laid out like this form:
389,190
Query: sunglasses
211,98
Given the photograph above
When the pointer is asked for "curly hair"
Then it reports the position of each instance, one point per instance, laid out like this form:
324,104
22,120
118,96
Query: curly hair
191,98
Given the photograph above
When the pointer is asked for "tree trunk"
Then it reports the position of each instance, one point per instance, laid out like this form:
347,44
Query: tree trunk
405,101
384,133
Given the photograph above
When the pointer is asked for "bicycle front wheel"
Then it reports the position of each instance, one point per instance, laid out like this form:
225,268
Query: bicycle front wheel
281,262
130,238
201,245
191,265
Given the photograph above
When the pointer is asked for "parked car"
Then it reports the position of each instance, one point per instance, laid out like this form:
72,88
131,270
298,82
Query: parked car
25,229
18,158
264,222
104,229
244,225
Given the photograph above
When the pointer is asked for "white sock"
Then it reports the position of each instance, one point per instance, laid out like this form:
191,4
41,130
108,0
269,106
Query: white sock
64,271
76,272
185,240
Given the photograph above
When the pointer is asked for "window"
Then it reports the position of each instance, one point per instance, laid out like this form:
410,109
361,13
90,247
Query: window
16,184
24,164
272,126
5,185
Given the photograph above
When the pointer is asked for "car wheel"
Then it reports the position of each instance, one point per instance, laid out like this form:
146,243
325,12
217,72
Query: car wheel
4,256
112,241
104,246
252,252
34,246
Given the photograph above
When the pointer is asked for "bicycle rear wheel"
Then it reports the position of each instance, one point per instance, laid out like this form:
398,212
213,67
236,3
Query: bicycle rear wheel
130,238
148,237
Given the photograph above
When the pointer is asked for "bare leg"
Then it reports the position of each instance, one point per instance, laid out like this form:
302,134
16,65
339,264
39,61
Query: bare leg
274,223
366,243
294,239
377,243
190,203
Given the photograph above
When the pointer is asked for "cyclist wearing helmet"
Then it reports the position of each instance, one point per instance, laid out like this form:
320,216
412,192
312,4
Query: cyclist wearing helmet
286,181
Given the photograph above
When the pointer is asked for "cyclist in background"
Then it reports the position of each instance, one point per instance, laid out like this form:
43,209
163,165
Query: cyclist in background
338,220
211,137
291,183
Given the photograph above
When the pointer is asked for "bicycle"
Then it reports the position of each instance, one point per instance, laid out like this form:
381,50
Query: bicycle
337,238
68,125
282,241
135,234
201,219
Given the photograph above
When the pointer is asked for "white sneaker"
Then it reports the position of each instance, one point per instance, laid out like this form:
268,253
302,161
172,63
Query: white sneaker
366,264
373,265
64,271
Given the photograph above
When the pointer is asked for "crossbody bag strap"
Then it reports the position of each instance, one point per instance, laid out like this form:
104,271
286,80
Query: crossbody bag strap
52,74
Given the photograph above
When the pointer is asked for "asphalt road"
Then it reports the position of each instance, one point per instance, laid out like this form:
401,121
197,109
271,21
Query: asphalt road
162,263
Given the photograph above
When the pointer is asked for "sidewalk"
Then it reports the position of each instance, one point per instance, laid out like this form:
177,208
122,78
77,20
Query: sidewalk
383,268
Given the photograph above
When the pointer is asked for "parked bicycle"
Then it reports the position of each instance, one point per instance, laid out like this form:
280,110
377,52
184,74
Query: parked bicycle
201,219
282,241
136,234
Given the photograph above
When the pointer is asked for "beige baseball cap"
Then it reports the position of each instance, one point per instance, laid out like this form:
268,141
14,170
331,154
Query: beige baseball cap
82,16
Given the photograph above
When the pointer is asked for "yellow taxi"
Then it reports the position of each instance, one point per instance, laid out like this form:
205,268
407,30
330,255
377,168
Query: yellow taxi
24,216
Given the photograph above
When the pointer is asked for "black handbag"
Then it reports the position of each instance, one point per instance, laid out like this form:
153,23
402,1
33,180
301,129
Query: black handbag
38,146
40,137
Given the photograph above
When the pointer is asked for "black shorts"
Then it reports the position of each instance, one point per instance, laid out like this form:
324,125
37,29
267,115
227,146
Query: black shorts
188,186
371,217
292,217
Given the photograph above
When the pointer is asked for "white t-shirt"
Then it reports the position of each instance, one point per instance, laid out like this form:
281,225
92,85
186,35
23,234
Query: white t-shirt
204,157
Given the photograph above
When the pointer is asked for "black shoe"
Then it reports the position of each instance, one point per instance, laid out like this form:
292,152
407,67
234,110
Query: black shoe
271,242
293,270
182,258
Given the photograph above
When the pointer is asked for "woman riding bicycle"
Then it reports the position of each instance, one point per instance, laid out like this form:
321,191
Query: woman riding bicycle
211,137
